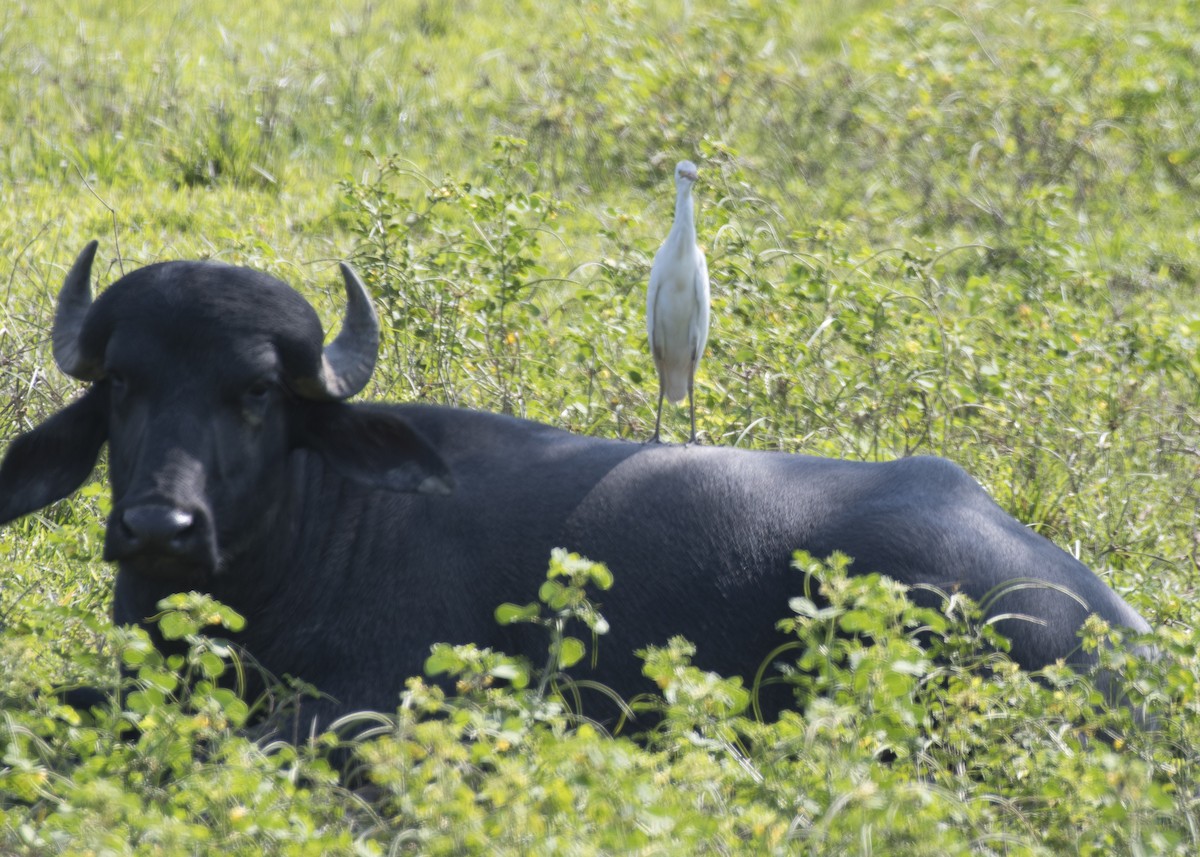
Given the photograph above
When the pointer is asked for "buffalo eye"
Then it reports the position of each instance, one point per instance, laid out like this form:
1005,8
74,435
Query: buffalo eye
255,399
258,390
117,384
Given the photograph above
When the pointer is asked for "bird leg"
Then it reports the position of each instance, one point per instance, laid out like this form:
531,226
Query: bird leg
692,408
657,419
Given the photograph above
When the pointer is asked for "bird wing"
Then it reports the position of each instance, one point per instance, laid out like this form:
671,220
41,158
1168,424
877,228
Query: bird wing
652,296
698,333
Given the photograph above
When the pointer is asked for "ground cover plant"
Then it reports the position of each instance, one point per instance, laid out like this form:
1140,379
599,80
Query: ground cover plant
967,229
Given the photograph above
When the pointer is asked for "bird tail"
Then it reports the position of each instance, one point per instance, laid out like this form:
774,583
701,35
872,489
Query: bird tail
674,385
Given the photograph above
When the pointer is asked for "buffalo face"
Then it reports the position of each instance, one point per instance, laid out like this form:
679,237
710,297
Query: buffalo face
193,456
205,377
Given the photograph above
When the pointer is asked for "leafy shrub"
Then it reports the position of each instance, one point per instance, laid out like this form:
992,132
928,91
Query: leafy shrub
908,720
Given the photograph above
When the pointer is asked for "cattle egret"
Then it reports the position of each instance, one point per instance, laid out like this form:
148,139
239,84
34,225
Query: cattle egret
677,302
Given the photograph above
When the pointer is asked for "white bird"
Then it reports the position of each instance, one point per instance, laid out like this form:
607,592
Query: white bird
677,302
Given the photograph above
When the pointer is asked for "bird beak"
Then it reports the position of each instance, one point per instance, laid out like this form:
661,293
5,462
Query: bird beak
689,176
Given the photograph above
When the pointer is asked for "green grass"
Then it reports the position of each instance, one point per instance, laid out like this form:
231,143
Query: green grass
965,228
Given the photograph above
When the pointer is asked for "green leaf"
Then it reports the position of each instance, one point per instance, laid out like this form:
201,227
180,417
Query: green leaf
570,652
601,576
441,660
514,673
159,679
176,625
803,607
509,613
860,622
133,657
211,665
550,592
227,617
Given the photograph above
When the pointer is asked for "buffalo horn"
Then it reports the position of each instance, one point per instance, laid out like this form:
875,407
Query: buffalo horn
348,361
73,303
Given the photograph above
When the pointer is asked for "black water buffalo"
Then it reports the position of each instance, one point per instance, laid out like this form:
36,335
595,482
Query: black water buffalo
352,536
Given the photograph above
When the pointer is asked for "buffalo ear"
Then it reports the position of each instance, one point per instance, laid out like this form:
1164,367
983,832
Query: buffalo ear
375,446
52,460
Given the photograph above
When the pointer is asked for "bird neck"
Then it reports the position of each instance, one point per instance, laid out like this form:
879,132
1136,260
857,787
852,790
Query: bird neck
685,215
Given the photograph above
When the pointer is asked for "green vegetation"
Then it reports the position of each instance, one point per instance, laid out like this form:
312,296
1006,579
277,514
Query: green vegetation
965,228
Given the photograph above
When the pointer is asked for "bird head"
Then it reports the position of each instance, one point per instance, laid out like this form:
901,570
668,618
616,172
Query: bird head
685,171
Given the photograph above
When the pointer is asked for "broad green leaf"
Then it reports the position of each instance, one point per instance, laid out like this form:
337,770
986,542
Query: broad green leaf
571,652
509,613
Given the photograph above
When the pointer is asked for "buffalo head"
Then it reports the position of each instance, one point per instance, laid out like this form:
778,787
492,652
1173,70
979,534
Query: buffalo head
205,378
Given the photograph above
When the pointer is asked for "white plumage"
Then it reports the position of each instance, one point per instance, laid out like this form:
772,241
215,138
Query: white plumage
677,302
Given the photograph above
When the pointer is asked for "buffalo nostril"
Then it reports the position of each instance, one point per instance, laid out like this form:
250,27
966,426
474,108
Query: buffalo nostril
161,534
160,525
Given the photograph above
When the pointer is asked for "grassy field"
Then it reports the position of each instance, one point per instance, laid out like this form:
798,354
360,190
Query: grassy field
964,228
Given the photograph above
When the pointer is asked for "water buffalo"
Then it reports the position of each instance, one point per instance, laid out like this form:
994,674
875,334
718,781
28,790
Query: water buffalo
352,536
